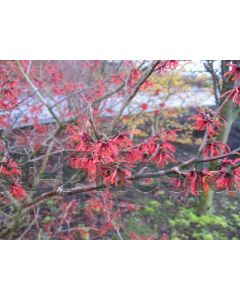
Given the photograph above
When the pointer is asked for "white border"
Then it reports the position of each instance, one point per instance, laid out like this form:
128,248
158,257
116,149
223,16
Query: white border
108,270
107,29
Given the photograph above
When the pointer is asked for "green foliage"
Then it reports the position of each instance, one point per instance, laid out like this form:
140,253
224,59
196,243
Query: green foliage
148,211
191,226
138,225
47,219
181,219
51,202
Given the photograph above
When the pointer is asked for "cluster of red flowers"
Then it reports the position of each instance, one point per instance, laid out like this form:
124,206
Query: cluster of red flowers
54,72
10,168
134,77
116,156
9,94
233,73
227,177
10,172
117,78
105,153
157,149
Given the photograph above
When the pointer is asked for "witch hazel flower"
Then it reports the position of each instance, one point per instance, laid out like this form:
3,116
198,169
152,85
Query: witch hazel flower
233,94
195,180
17,191
234,72
228,177
206,121
215,148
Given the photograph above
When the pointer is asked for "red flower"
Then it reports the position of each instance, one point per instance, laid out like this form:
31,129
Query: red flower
235,72
82,138
176,184
144,106
10,168
111,177
167,147
17,191
234,94
168,64
135,74
84,163
225,181
9,94
163,158
215,148
122,139
172,64
36,109
162,153
194,180
106,152
206,120
228,179
165,154
150,146
135,154
117,79
55,74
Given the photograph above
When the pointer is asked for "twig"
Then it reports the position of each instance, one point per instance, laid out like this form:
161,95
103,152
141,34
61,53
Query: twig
144,77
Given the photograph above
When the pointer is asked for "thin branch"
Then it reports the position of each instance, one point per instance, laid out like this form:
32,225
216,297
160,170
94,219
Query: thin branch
36,90
98,135
173,170
144,77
